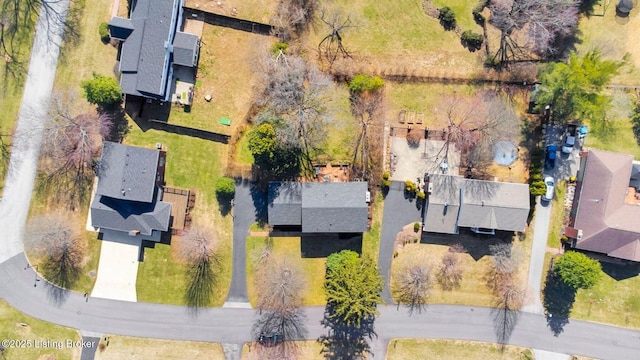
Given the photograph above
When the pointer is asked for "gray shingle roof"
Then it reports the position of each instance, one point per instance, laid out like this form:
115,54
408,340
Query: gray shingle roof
146,51
185,48
319,207
285,203
444,203
120,28
126,216
127,172
475,203
494,205
334,207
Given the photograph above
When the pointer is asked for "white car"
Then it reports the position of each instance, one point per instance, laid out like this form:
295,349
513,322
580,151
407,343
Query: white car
550,183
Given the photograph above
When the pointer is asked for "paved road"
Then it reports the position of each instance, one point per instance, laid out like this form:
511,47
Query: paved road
398,212
232,325
28,136
244,214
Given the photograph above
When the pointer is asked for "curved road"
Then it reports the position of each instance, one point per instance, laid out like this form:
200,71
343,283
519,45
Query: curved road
230,325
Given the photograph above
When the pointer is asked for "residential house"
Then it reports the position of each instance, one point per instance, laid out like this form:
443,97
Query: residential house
153,47
455,202
327,207
127,199
606,207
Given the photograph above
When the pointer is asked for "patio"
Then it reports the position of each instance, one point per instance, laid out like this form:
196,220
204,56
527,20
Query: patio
182,201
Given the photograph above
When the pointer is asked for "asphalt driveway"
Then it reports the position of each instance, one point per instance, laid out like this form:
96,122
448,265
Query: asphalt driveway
398,212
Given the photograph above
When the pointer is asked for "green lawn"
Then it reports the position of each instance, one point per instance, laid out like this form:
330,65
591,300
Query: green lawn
243,154
557,215
18,326
621,139
287,248
122,347
409,349
610,301
371,238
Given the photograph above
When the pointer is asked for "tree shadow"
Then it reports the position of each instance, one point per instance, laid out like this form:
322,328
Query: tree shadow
119,125
201,278
225,204
56,294
323,245
346,341
504,322
277,333
558,301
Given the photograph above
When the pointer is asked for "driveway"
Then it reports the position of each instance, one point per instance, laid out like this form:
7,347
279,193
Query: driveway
118,267
398,212
244,214
14,206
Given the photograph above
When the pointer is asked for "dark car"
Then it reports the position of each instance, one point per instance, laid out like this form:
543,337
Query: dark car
550,157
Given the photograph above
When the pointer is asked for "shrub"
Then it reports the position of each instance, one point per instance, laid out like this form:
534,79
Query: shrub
362,82
410,186
577,270
413,138
103,30
491,61
416,226
386,183
471,40
279,46
538,188
102,90
447,18
421,195
385,176
225,188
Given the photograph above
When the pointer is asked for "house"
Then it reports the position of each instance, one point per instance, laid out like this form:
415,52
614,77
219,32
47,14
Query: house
606,207
456,202
153,47
327,207
128,196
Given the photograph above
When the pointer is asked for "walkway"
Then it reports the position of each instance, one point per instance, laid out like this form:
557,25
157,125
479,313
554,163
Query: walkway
28,136
398,212
536,264
229,325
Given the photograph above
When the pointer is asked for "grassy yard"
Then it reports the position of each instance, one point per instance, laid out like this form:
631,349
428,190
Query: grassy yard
371,239
308,350
286,248
191,164
615,37
390,30
18,326
611,301
557,215
122,347
226,72
620,139
474,262
409,349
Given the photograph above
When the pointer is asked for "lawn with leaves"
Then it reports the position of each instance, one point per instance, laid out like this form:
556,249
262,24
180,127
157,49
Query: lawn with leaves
409,349
18,326
122,347
557,215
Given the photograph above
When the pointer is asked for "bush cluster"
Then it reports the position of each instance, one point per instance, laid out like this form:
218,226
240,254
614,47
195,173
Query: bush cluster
362,82
447,18
471,40
103,30
410,186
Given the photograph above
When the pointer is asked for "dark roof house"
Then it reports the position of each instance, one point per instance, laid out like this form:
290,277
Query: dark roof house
457,202
152,44
606,206
128,194
339,207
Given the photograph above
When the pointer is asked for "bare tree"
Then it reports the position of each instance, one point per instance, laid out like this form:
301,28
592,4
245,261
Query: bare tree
197,248
70,148
292,18
450,272
280,317
55,239
543,23
474,124
504,265
294,99
413,282
331,46
368,109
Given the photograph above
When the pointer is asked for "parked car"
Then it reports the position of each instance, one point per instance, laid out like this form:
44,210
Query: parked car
569,138
550,157
551,188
